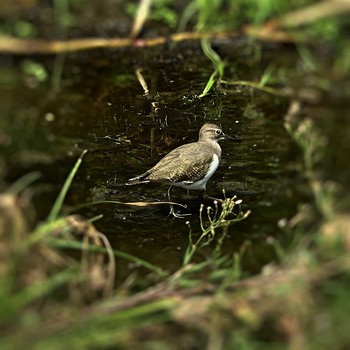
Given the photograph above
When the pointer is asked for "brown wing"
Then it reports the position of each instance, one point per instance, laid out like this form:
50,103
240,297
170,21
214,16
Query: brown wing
186,163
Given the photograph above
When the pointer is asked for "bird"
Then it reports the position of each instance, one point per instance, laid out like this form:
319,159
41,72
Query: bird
189,166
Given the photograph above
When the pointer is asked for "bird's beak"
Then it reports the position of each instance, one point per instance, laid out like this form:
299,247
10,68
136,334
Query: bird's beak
227,137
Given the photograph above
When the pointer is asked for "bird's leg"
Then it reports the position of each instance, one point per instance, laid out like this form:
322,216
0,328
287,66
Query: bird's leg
172,211
169,199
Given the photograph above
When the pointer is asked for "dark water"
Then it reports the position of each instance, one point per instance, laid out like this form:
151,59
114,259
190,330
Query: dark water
100,97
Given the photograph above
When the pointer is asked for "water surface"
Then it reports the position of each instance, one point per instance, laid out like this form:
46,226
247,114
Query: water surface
102,107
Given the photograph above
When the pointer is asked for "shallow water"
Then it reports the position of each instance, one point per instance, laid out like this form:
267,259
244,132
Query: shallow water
102,107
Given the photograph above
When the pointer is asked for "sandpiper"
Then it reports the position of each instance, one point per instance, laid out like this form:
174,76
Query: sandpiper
189,166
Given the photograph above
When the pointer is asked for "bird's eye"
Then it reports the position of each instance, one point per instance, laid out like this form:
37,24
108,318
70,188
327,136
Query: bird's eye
217,132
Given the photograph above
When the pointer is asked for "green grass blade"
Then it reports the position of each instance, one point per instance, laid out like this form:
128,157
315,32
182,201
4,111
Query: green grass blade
59,201
218,63
267,75
43,230
209,85
23,182
62,243
38,290
187,14
216,60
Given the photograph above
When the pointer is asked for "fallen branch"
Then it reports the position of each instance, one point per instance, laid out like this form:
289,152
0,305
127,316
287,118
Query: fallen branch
38,46
272,31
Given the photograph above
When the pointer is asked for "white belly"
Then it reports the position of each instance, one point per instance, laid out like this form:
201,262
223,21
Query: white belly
200,184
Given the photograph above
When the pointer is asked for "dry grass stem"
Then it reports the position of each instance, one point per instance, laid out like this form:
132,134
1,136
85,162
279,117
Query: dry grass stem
142,81
140,18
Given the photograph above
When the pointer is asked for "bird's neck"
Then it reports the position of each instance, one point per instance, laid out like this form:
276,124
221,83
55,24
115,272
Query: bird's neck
214,145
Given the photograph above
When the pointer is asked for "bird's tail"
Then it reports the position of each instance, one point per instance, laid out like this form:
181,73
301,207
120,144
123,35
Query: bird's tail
138,180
